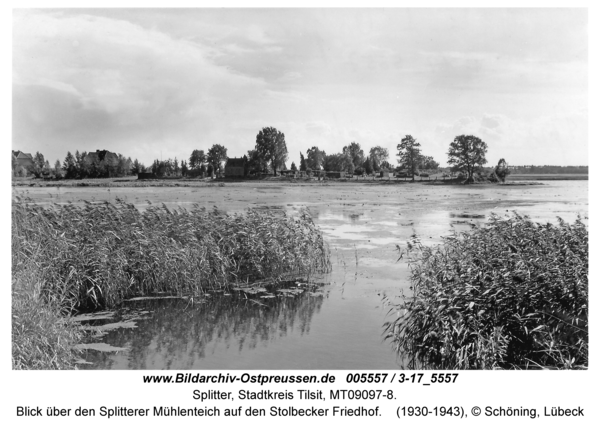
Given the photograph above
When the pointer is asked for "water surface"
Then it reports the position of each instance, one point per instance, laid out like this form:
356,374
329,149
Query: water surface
337,324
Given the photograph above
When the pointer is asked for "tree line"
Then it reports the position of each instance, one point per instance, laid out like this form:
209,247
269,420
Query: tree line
466,155
99,164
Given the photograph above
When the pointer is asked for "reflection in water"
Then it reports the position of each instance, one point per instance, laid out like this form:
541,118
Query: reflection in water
178,334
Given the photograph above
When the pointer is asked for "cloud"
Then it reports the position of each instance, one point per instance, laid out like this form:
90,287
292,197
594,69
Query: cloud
86,81
555,139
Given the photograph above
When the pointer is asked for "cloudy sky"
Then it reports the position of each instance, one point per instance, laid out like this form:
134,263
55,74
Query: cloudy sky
161,82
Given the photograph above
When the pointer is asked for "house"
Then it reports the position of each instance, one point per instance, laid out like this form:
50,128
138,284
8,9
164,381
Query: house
105,158
336,174
234,168
23,159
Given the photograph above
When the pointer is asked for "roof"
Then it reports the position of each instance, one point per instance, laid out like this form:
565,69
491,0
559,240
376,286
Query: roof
234,162
100,155
22,155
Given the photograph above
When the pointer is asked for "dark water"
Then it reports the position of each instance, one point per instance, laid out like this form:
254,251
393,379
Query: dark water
338,323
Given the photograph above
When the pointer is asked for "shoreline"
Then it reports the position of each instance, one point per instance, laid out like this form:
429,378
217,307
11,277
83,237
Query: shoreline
184,182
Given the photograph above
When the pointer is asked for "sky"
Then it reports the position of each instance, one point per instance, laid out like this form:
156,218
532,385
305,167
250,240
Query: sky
159,83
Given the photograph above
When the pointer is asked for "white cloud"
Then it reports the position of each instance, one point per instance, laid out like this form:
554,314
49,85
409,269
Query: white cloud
119,73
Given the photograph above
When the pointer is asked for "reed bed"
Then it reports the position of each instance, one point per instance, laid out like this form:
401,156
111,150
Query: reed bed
510,295
42,334
94,256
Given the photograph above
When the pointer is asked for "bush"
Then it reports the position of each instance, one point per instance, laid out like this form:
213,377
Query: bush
513,294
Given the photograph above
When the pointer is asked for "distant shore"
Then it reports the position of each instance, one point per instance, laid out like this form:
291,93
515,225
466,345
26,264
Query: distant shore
193,182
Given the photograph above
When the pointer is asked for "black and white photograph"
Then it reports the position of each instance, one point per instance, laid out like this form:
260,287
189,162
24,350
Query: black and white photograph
299,189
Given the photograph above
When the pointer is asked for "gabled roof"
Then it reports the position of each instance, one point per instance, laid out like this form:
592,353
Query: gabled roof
22,155
101,155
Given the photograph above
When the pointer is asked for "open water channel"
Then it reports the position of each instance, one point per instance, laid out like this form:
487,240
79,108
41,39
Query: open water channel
337,321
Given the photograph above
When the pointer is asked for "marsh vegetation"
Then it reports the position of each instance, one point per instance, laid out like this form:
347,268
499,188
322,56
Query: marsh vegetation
69,258
511,294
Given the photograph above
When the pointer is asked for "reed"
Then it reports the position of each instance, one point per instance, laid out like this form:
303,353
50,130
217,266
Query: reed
510,295
95,255
42,334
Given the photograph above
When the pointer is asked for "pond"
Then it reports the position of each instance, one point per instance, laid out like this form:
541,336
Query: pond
329,322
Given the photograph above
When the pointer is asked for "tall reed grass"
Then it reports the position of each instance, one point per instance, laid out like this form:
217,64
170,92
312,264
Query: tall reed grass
94,256
513,294
42,334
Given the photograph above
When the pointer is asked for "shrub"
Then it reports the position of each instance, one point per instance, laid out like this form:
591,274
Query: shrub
513,294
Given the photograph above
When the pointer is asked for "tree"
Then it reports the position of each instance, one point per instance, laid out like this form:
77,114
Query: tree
270,145
355,152
379,156
315,158
428,163
216,156
15,165
47,168
338,162
197,159
293,167
38,165
69,166
137,167
176,167
184,168
385,165
256,163
368,165
57,169
375,163
302,163
502,170
467,155
409,155
80,164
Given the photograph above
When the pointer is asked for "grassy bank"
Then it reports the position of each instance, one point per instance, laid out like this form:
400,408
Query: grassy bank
67,258
511,295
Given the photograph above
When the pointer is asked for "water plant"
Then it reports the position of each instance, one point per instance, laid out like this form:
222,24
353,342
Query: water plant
95,255
510,295
42,335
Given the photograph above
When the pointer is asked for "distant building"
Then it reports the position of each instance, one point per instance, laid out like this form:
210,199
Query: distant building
336,174
234,167
105,156
146,175
109,161
23,159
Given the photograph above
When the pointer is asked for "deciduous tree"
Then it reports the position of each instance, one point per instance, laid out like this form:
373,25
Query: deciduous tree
379,156
302,162
409,155
270,145
69,166
467,155
216,156
315,158
355,152
502,170
197,159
